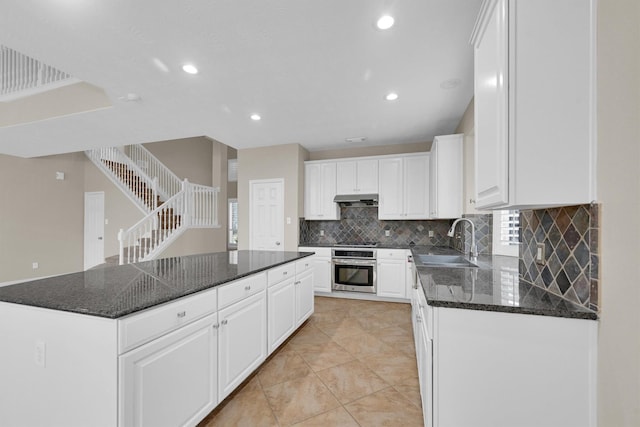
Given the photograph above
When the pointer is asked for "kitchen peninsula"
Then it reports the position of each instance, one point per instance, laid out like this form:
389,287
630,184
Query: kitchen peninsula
114,345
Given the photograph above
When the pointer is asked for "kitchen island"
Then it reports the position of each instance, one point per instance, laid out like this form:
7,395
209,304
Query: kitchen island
155,343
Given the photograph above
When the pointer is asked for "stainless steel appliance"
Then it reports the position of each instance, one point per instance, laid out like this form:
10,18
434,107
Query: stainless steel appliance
354,269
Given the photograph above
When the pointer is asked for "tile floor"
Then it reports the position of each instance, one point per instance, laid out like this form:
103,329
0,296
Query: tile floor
352,363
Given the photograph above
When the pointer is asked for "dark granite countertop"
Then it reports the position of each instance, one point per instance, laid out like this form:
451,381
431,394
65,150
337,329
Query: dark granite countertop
113,292
493,286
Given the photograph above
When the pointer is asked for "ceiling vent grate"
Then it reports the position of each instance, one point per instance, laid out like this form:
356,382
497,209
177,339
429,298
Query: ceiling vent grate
22,76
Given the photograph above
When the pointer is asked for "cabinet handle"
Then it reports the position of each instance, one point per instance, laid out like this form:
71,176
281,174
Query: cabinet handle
418,319
247,288
284,273
182,314
224,322
297,283
216,326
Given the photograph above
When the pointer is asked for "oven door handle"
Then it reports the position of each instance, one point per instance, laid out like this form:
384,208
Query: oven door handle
354,262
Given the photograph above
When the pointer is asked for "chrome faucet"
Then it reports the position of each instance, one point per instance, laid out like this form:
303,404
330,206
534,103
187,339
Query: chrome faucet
474,249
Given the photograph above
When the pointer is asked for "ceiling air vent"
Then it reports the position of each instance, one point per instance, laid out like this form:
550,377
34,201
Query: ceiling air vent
22,76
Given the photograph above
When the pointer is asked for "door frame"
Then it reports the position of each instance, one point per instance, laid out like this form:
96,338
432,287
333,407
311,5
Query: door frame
264,181
87,220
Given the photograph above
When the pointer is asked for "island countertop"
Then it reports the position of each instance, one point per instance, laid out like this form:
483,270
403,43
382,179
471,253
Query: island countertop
494,285
113,292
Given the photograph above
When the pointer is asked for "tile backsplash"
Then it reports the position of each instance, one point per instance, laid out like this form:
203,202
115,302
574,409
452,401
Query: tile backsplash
570,236
361,224
483,224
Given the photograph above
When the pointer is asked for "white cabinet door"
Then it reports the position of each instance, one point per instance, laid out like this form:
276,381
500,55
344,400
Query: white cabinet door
243,341
416,186
171,381
445,177
281,300
304,297
321,274
320,190
357,176
491,110
367,176
347,177
391,189
391,278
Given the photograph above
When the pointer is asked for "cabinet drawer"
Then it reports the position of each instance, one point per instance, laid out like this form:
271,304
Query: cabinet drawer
278,274
240,289
392,254
303,265
142,327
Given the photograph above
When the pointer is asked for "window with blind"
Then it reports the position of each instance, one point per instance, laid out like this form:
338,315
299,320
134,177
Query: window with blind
506,232
232,242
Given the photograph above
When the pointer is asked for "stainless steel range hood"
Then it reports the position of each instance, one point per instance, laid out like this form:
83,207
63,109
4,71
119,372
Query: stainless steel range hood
357,199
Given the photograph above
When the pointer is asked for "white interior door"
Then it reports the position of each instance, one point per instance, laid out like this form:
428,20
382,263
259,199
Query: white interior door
93,229
266,215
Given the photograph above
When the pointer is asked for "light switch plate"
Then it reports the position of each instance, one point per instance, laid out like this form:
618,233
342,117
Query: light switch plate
540,258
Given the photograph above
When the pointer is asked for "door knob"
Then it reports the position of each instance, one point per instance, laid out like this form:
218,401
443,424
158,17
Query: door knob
99,238
277,243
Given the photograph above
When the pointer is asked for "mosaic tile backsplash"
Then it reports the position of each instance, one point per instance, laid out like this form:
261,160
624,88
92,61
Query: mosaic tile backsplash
361,224
570,236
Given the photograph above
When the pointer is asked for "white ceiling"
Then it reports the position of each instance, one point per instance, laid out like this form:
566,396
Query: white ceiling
316,71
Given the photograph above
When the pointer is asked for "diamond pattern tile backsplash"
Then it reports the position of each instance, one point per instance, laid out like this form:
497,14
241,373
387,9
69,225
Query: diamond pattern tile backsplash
571,239
361,224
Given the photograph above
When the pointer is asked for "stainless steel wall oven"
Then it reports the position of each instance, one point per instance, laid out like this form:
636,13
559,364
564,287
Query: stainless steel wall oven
354,270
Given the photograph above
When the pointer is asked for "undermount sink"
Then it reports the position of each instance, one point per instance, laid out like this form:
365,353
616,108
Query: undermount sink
445,261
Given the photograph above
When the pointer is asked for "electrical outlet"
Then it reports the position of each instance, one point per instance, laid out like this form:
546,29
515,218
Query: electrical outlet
322,232
288,220
430,233
540,258
40,355
387,233
34,265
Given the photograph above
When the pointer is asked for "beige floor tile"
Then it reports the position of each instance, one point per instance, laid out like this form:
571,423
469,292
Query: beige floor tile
328,316
300,399
338,417
322,304
410,388
324,356
308,335
342,328
396,316
371,323
385,408
363,345
284,366
351,381
393,367
245,409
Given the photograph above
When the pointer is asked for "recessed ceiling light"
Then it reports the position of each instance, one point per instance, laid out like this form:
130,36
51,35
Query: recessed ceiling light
385,22
391,96
190,68
255,117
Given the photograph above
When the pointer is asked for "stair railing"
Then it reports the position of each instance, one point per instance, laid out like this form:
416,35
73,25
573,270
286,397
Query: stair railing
127,176
168,183
194,206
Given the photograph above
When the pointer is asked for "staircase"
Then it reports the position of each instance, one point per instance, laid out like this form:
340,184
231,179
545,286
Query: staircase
170,206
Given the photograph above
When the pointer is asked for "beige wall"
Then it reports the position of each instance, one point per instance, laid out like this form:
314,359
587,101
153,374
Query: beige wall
619,193
41,218
189,158
281,161
119,211
370,151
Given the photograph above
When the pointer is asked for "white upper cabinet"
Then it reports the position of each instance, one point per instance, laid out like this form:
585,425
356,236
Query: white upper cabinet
357,177
404,187
445,180
535,103
319,191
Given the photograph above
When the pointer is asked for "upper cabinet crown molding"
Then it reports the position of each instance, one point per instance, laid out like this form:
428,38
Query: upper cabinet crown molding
535,103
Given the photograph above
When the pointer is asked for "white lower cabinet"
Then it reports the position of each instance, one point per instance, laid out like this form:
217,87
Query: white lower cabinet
171,381
484,368
282,312
391,273
304,296
242,341
321,263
